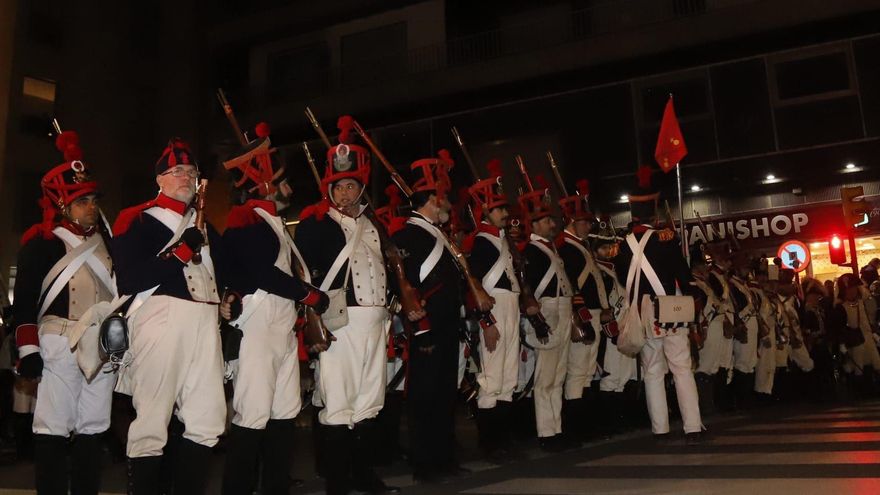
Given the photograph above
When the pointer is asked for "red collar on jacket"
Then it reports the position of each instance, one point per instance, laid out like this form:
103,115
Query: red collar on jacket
489,229
170,203
77,228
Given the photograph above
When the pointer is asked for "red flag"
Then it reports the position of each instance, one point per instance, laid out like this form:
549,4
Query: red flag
670,143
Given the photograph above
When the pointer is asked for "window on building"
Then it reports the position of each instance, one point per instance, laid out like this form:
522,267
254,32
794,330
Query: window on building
374,53
742,108
37,106
814,97
868,68
44,22
301,70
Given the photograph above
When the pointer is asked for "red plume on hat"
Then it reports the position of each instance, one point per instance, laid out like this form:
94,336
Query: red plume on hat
345,124
494,167
583,187
68,144
388,214
262,130
644,177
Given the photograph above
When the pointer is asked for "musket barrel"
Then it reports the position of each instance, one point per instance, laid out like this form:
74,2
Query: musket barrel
556,174
317,126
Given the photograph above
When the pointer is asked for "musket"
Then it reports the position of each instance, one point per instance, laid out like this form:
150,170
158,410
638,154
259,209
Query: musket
56,126
201,198
317,126
395,176
483,300
556,174
464,151
312,165
410,300
230,116
527,181
527,296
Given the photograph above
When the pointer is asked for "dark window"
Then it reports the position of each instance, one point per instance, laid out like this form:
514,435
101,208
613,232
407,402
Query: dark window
868,67
742,108
812,76
44,22
300,70
816,122
375,53
37,106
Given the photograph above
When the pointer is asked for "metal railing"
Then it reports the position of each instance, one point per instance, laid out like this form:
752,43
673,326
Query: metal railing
606,17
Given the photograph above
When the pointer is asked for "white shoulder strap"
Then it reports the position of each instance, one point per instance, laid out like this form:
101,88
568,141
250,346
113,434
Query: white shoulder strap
552,270
74,259
645,265
436,253
343,256
97,268
494,274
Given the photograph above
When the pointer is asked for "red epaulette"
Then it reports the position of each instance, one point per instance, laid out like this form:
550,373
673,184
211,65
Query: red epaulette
127,216
560,240
396,225
241,216
317,210
467,244
35,230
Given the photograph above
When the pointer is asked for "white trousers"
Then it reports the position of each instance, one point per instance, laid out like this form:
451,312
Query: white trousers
351,377
620,368
745,356
66,402
550,366
582,362
500,367
266,382
765,370
670,353
176,361
717,351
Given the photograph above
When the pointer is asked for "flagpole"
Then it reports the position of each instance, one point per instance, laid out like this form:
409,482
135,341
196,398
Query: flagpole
684,243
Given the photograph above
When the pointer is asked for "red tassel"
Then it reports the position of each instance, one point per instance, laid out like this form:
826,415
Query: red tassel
541,181
583,187
444,155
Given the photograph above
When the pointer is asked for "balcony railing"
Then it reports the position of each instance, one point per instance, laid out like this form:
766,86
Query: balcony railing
609,16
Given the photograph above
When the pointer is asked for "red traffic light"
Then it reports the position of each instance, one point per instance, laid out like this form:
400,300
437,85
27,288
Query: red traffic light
836,251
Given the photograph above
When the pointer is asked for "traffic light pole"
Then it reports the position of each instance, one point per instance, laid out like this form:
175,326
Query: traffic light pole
854,262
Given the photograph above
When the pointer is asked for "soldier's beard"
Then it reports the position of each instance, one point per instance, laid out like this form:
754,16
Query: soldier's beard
182,194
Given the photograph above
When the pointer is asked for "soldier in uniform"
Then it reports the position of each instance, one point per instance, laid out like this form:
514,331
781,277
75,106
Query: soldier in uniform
789,325
745,343
64,268
263,271
342,251
580,268
546,274
492,263
171,268
432,381
765,368
607,302
666,349
716,356
851,324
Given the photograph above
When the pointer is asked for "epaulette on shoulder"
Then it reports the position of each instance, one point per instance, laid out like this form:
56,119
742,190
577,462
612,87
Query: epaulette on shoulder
35,231
559,241
241,216
665,235
127,216
396,225
317,210
467,244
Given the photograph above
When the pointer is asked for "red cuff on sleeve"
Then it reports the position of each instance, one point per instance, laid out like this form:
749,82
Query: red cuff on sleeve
183,252
311,298
27,334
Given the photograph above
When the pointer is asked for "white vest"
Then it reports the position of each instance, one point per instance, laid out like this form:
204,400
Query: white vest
367,264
